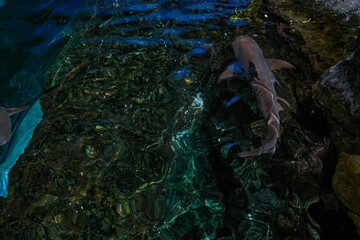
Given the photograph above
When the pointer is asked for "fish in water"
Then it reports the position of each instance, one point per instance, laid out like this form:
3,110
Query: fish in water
249,55
5,122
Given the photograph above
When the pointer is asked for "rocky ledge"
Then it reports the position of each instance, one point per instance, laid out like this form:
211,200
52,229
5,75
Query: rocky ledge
338,94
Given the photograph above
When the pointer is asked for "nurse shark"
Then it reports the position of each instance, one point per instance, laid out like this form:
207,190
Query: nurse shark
249,55
5,122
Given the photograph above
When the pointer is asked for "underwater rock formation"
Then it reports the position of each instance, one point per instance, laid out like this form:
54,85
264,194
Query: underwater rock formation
310,34
316,30
343,6
338,95
346,181
346,184
328,104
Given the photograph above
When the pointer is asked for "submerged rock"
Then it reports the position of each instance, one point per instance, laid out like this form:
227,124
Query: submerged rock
316,37
356,220
343,6
315,31
346,181
309,35
346,184
338,95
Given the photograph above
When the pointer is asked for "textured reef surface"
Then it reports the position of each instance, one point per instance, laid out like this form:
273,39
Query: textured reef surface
347,7
137,137
338,95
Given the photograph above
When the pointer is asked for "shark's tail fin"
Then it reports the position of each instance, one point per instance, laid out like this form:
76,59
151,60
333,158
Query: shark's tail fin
272,135
267,148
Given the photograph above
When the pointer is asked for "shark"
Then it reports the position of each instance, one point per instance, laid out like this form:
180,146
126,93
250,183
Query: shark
5,122
250,56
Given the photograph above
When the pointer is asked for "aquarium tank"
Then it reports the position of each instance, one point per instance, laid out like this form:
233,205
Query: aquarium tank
179,119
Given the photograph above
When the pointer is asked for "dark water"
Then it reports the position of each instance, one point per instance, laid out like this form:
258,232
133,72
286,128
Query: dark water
152,67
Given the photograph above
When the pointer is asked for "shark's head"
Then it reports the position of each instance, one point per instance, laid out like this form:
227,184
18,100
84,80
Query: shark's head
245,50
243,40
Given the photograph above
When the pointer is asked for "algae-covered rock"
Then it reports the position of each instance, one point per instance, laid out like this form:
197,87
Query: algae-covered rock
346,181
338,96
343,6
315,30
313,37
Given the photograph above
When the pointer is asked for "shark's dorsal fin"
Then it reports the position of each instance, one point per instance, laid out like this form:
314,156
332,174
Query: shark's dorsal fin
278,64
12,111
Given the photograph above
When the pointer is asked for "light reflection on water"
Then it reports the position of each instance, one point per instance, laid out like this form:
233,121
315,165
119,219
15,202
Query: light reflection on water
183,28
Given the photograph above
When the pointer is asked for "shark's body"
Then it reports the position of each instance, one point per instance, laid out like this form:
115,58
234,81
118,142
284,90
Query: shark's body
5,122
248,52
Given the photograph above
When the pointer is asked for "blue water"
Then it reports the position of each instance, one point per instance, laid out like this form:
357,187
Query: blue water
20,139
33,34
31,37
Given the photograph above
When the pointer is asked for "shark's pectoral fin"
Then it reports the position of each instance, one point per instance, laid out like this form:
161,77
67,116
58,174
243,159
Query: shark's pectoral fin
12,111
233,70
278,64
228,73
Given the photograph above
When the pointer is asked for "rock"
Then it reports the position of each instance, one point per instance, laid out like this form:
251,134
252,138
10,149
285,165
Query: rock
343,6
338,94
332,102
346,182
315,31
306,38
356,220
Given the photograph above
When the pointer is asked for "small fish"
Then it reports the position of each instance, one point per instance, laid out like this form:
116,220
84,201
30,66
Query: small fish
5,122
250,56
232,101
197,51
230,145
